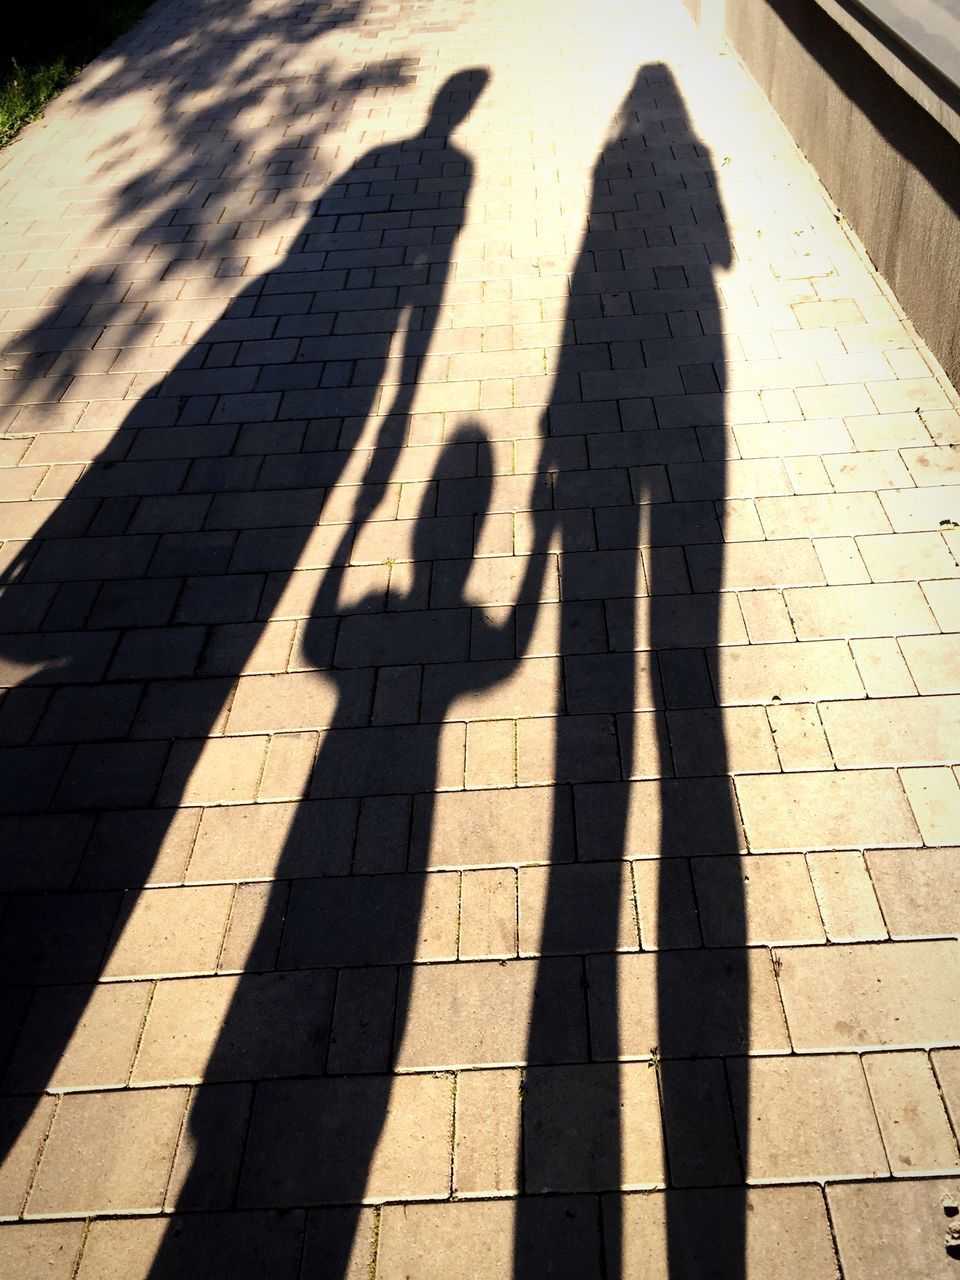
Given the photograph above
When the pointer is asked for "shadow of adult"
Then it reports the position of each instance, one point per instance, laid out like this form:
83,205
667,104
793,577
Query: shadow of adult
140,600
639,737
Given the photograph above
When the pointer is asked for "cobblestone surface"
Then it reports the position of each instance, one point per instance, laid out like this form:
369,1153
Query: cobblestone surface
479,754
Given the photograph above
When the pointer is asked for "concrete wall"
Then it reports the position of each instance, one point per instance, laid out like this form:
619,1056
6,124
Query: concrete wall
892,170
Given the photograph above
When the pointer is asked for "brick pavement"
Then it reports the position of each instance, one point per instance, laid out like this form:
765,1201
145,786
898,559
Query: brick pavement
479,750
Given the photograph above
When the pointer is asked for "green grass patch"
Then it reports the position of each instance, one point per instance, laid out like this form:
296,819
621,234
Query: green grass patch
44,45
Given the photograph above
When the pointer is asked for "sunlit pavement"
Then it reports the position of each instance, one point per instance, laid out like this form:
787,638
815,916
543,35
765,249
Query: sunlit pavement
481,741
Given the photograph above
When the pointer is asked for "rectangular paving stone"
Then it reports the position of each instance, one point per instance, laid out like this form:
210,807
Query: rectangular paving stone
875,609
435,635
875,996
746,901
917,889
779,1233
913,1122
486,1146
490,690
797,812
804,1114
249,1026
78,1037
337,1141
164,932
893,731
261,841
108,1152
210,1148
47,1249
493,828
573,909
25,1123
56,938
558,1236
389,760
892,1228
672,817
220,1245
488,915
934,662
300,700
479,1014
592,1127
713,1003
361,1038
846,896
371,920
809,671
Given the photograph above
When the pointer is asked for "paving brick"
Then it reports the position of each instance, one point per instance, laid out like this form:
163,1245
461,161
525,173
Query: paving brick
934,662
108,1151
845,894
573,749
223,771
704,997
822,515
934,797
905,557
25,1124
756,900
328,922
78,1037
875,610
788,672
491,753
854,808
252,940
804,1112
211,1139
916,889
841,561
883,731
914,1125
361,1038
593,1127
479,1014
169,931
219,1245
41,1249
576,909
486,1147
778,1232
874,996
253,842
558,1235
711,741
493,828
882,668
798,733
944,600
288,766
295,1123
488,915
896,1227
249,1026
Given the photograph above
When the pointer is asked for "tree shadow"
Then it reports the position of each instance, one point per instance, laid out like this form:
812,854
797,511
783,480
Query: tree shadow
639,737
140,600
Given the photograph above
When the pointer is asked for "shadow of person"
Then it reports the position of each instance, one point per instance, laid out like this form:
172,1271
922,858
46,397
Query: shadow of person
639,736
333,1008
145,592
